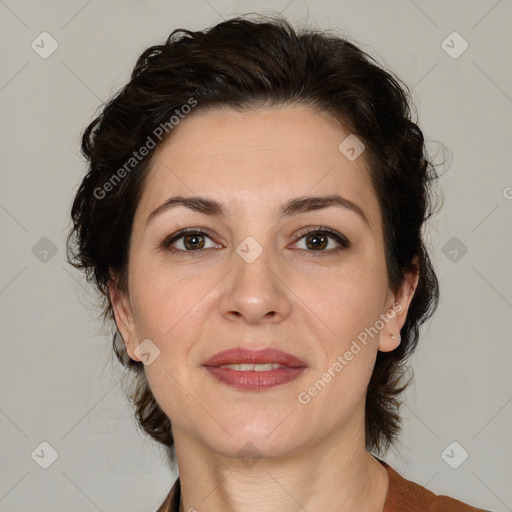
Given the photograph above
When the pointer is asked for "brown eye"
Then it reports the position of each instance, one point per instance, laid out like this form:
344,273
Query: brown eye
193,242
318,240
187,241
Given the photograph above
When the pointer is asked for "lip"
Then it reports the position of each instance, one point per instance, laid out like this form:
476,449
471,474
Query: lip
290,370
245,356
253,380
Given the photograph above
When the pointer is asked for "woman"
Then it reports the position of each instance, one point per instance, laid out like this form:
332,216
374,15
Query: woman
252,215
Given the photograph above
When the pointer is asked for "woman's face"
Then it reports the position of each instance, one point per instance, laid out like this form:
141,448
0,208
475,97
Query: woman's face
252,277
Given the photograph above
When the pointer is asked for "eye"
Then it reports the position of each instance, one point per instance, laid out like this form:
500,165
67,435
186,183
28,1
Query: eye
318,238
187,240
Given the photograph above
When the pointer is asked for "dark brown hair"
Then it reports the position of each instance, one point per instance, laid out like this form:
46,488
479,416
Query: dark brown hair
242,64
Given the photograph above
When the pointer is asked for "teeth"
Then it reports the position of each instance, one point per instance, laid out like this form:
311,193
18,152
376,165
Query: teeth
251,367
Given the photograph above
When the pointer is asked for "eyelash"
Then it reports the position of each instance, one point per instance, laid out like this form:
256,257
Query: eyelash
342,240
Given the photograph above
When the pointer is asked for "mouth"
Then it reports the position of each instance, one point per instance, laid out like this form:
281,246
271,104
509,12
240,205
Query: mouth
254,370
234,356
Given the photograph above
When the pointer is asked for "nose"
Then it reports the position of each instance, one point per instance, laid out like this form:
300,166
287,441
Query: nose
255,292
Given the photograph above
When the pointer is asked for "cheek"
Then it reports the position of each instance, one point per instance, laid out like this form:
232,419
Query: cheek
346,300
171,310
162,300
348,307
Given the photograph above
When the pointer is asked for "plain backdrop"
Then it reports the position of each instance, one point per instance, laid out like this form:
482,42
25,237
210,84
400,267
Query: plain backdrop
59,382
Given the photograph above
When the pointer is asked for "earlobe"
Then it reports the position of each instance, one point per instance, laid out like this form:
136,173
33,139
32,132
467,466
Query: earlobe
389,341
124,318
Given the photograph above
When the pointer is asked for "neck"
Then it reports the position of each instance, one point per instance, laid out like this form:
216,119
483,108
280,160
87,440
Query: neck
335,475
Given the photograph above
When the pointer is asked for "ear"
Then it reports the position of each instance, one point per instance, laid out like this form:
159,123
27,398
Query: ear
397,307
124,319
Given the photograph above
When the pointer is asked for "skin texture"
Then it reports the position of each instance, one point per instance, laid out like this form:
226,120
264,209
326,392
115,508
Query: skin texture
292,297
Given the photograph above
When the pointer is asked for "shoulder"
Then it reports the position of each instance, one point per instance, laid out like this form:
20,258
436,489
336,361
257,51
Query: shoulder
405,495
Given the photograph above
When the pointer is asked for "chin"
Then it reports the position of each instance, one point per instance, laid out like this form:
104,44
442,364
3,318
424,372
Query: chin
256,439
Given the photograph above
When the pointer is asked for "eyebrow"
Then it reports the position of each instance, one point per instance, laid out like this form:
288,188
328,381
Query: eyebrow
292,207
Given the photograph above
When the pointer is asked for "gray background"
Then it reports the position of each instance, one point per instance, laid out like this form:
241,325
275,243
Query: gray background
59,382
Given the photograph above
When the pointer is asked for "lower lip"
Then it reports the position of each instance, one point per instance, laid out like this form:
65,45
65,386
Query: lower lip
255,381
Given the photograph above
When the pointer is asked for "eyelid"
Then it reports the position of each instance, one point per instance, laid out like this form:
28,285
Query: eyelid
168,240
343,241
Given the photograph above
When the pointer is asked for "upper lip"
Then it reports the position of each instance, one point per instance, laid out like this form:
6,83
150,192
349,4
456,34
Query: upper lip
245,356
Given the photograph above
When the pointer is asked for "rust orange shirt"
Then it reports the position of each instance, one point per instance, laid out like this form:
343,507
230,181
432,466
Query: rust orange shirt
403,496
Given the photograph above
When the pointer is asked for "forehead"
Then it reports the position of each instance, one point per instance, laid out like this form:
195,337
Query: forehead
265,156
